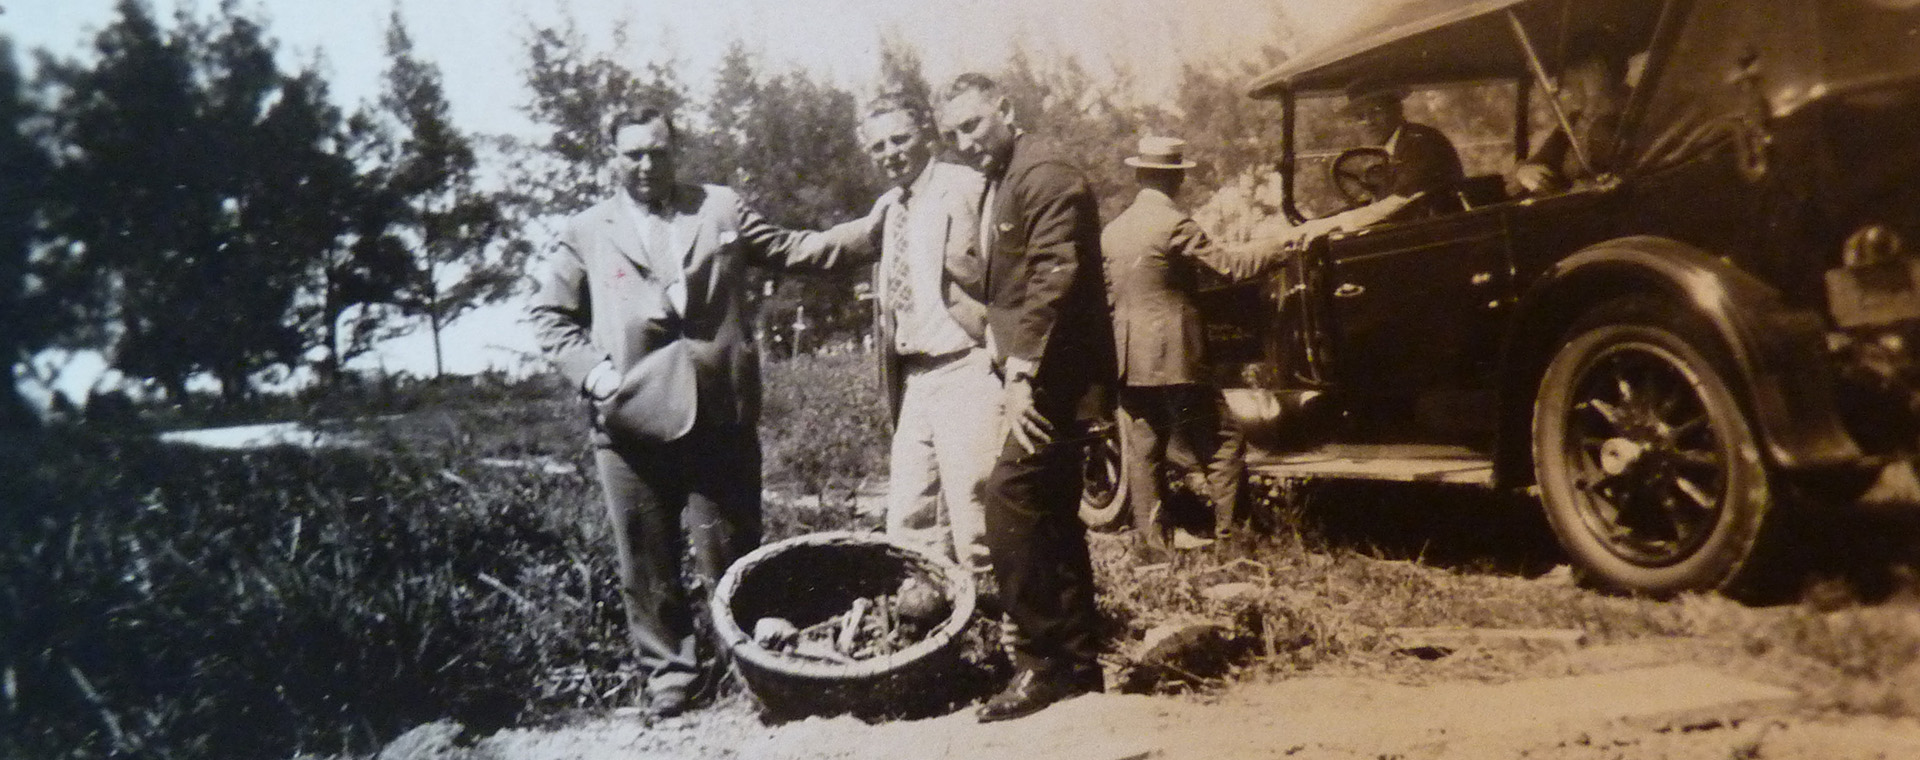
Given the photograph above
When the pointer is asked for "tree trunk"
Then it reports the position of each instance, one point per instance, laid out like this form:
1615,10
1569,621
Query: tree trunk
433,322
433,312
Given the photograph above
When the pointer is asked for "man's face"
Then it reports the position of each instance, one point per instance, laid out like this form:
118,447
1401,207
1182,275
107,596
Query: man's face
897,145
977,126
1588,89
643,161
1378,118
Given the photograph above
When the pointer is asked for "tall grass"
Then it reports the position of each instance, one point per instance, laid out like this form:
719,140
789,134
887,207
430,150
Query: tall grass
172,602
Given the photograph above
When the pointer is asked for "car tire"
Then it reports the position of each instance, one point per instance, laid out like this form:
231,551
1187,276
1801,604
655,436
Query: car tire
1103,491
1648,468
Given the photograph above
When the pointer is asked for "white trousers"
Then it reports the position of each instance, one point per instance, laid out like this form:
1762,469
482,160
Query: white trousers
944,443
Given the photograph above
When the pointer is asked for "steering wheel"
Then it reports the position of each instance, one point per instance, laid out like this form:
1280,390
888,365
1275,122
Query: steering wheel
1360,175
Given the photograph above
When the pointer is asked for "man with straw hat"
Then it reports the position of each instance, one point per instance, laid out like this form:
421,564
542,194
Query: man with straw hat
1170,411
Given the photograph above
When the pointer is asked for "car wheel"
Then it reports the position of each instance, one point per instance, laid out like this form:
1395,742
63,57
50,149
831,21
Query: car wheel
1649,471
1103,492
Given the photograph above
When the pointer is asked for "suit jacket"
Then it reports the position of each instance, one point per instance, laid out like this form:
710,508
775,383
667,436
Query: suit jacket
1047,299
1423,159
951,193
1599,135
1152,252
683,345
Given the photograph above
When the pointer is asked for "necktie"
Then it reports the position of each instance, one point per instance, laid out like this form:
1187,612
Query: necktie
899,285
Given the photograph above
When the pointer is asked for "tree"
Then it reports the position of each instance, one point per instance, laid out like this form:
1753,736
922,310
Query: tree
789,145
285,191
1072,113
574,93
197,185
438,210
123,123
361,281
24,169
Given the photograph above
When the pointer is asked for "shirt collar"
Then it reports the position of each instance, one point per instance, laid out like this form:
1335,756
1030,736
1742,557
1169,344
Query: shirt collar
641,211
1153,195
920,182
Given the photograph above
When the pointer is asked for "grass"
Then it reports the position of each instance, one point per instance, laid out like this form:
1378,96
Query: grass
171,602
174,602
1340,566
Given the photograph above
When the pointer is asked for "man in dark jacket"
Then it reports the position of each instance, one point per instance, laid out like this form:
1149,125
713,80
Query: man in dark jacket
1051,334
1423,168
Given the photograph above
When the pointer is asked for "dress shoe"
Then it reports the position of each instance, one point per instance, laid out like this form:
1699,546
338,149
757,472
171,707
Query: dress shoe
1031,691
667,701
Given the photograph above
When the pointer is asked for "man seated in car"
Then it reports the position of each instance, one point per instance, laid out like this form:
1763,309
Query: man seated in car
1422,168
1593,94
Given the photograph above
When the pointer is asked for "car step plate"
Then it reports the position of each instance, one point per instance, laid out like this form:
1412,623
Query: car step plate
1409,463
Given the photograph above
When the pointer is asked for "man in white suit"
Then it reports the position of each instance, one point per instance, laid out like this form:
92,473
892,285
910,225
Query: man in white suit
931,322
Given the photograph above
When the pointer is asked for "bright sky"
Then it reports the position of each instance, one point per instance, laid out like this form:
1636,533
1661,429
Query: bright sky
477,44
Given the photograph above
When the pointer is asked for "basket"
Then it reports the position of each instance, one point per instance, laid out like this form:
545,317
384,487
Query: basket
810,578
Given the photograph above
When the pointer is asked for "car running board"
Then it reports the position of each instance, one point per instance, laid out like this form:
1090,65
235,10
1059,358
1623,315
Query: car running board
1400,462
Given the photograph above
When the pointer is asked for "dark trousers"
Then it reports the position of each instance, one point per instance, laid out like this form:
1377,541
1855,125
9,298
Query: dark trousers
699,495
1185,426
1039,551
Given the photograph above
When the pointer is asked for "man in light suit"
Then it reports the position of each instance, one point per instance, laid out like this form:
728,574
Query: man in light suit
644,307
931,322
1152,252
1052,336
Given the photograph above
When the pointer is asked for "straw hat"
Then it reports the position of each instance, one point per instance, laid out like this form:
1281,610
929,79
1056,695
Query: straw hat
1161,153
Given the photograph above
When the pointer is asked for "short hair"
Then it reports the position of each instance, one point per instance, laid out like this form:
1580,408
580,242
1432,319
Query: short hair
901,102
645,114
972,81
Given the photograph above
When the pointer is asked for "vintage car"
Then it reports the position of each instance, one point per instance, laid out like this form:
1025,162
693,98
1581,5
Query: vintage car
1707,335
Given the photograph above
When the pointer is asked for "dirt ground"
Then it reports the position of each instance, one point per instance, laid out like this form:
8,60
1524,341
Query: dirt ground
1487,694
1678,699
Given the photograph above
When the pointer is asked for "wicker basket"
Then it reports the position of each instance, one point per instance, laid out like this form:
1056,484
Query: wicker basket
810,578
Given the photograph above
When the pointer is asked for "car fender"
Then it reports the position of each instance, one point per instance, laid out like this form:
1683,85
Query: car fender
1779,357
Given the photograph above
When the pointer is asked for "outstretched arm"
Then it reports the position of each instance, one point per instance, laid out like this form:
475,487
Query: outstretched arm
1235,262
839,247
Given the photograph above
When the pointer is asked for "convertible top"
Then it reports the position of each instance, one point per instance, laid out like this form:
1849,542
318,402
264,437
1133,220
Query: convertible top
1728,66
1427,46
1811,47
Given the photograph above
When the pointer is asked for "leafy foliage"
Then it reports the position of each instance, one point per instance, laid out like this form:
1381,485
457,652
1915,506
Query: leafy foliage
427,169
196,185
24,169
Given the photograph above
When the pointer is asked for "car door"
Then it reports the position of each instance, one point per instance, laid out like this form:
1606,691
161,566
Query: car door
1412,314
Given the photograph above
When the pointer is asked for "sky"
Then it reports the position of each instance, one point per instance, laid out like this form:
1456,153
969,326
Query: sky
478,46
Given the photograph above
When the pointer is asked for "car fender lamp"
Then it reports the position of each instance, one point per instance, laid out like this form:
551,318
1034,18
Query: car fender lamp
1871,245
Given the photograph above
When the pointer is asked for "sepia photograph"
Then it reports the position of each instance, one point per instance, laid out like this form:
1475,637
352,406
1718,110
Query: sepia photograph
962,380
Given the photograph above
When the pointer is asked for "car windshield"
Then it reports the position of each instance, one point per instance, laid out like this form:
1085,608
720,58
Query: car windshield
1477,117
